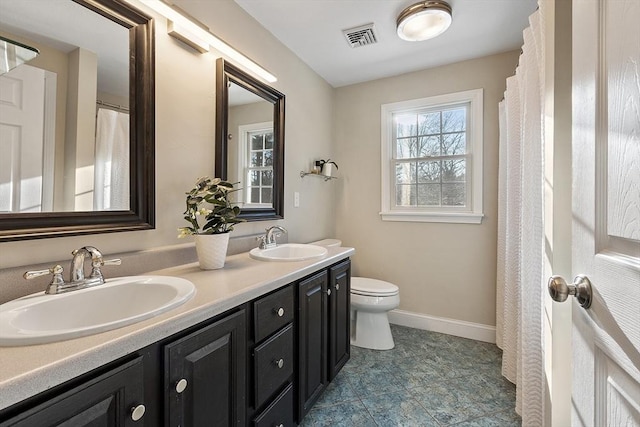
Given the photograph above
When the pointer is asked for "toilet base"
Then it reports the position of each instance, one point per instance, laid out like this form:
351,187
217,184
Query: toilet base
371,330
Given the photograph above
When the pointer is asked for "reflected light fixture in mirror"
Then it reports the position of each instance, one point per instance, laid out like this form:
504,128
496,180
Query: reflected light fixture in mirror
13,54
199,37
424,20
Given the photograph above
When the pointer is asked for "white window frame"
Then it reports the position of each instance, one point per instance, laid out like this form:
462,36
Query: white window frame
243,160
471,214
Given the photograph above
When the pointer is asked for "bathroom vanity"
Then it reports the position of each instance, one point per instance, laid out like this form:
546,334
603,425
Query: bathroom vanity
256,345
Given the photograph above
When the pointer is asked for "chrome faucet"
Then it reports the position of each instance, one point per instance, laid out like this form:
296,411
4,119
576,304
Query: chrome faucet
269,239
77,278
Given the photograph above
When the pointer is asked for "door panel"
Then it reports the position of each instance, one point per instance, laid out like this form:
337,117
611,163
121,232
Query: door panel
606,211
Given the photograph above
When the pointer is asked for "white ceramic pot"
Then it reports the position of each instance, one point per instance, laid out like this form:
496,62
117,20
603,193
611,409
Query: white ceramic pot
327,169
212,250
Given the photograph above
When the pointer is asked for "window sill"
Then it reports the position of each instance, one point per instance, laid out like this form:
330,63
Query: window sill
446,217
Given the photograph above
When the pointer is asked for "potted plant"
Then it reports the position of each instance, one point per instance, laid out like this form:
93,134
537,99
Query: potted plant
212,238
326,167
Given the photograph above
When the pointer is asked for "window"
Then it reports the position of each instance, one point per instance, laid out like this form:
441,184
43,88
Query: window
256,160
432,159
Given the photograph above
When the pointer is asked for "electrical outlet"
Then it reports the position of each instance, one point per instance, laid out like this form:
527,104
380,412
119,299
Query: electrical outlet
296,199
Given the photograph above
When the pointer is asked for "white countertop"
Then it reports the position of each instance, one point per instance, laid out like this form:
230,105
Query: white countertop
29,370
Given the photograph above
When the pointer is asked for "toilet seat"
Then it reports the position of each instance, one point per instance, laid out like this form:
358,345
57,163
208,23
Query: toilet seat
372,287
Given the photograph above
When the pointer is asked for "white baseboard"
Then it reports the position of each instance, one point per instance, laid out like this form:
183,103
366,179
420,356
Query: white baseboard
458,328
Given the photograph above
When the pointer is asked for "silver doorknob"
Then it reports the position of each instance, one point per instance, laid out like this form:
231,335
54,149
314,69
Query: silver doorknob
580,288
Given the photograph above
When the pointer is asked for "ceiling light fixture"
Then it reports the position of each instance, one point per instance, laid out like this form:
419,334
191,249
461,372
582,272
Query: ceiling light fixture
200,38
424,20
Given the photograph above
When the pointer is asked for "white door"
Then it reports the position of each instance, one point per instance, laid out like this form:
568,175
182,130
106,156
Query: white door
606,211
21,139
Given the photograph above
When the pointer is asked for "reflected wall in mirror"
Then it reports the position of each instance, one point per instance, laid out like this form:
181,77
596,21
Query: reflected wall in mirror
250,141
77,122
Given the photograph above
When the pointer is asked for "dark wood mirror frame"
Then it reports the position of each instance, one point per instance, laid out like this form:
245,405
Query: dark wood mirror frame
227,73
141,214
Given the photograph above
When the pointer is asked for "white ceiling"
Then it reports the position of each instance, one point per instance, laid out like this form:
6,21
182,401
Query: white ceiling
312,29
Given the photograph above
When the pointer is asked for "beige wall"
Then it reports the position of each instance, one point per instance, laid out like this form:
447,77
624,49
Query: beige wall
185,119
443,270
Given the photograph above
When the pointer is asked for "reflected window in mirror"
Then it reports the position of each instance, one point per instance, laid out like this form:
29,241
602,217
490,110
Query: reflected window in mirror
250,141
77,122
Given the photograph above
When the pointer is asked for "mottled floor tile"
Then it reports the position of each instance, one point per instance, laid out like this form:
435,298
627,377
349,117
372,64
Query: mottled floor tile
428,379
344,414
398,409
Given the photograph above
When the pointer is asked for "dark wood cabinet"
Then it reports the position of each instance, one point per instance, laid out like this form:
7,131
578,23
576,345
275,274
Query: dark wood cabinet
339,336
312,341
114,398
205,375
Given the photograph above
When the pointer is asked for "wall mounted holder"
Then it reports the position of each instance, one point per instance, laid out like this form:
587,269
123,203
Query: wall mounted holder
326,178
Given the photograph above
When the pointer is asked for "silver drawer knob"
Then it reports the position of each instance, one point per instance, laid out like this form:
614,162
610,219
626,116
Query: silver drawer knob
280,425
181,385
279,363
328,291
280,312
337,286
137,412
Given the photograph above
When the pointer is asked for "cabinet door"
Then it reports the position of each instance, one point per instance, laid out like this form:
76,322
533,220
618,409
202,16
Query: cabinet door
312,341
107,400
205,375
339,317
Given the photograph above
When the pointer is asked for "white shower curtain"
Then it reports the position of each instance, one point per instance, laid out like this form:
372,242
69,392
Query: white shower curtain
112,161
520,280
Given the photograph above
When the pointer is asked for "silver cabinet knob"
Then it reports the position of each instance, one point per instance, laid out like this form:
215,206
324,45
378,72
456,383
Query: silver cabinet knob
580,288
280,312
279,363
181,385
328,291
137,412
337,286
280,425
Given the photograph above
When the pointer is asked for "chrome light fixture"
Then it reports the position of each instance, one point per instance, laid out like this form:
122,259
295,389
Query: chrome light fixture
424,20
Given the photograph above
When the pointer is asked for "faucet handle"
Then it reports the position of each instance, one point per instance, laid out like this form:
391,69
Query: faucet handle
96,263
115,261
56,282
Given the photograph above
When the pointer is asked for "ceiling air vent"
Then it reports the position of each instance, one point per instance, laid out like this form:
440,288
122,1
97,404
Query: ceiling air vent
360,36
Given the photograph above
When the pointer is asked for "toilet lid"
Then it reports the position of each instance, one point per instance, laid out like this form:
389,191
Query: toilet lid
372,287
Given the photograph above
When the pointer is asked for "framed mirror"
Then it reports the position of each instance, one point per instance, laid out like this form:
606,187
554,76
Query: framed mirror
74,176
250,141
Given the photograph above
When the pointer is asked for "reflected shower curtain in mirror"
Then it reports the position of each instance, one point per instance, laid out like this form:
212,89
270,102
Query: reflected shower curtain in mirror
520,271
112,161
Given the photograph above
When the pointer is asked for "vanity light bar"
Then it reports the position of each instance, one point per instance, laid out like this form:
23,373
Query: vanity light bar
201,39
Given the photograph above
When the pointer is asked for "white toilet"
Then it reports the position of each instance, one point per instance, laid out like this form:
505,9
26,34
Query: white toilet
371,299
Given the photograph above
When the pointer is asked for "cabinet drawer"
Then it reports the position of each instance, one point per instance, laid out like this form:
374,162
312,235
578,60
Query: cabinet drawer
272,313
280,412
273,363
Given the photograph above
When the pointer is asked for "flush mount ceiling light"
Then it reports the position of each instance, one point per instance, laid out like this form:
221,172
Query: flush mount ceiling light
424,20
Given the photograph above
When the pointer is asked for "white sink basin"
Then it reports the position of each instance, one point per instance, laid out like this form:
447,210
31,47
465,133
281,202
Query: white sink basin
289,252
41,318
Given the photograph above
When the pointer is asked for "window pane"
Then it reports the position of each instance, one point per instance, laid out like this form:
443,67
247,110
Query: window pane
406,124
256,159
406,173
429,146
267,178
256,142
453,194
268,143
406,148
429,172
454,120
429,124
454,170
405,195
454,143
429,195
268,157
255,195
254,176
266,195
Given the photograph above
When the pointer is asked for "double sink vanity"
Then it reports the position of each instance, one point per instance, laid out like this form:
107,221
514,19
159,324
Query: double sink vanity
254,343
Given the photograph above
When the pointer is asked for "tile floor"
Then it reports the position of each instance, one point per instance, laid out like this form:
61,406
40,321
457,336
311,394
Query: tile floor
428,379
